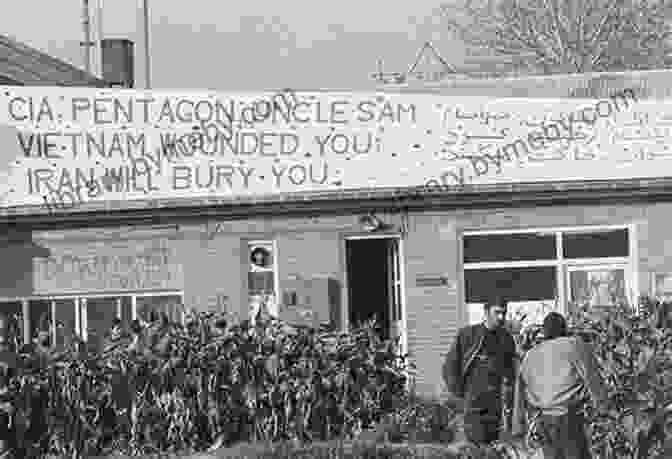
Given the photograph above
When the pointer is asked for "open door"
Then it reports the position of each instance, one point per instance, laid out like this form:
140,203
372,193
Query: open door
374,283
394,288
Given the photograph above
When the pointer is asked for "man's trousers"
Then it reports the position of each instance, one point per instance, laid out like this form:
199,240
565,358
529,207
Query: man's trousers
566,434
483,417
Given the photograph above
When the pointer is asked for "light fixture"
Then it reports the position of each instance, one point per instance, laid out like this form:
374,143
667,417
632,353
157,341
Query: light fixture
371,223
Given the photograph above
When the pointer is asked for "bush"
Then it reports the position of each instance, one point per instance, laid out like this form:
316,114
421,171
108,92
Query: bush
188,388
421,420
634,350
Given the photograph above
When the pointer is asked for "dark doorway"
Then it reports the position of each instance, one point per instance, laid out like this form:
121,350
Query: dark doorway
373,282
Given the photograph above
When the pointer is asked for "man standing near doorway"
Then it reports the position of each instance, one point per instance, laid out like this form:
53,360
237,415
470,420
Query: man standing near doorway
553,380
480,370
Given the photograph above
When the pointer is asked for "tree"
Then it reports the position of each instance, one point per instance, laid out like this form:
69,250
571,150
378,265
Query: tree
567,36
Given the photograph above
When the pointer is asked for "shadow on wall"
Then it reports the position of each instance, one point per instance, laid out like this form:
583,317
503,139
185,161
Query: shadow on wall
17,251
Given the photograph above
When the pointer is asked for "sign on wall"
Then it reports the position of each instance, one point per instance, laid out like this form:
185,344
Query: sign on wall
138,265
78,145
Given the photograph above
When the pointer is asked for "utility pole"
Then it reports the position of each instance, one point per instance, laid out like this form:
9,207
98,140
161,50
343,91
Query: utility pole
99,38
144,24
86,24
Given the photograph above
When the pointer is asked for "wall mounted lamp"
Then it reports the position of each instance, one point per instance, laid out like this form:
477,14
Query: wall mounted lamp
371,223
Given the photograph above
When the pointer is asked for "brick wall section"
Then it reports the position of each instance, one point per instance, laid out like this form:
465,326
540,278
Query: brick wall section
212,267
215,258
432,312
655,243
310,254
16,271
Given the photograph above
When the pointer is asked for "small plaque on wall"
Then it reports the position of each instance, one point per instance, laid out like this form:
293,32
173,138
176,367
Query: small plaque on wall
433,281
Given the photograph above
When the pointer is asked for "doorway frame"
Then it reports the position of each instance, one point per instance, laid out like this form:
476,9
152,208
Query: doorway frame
345,310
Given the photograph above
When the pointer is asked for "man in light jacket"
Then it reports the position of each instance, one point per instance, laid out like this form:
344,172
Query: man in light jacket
480,369
553,381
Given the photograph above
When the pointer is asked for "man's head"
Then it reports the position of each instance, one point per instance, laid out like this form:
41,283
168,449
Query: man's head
555,326
136,327
495,312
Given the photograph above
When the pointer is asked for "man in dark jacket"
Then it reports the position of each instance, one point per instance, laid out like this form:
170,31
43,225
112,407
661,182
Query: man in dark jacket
480,370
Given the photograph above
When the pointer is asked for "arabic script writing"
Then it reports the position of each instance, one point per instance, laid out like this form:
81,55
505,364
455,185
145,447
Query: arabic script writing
574,127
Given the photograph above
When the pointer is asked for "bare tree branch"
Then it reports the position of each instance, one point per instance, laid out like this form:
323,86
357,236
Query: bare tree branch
562,35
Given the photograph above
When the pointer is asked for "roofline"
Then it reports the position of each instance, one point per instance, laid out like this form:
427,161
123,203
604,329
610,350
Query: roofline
448,83
599,192
565,76
34,54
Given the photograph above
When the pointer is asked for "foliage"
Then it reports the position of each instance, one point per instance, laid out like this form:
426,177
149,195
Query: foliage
183,389
421,420
567,36
209,384
634,349
636,358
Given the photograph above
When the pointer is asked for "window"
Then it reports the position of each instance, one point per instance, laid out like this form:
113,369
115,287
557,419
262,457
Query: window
538,271
171,305
262,276
100,313
595,244
39,317
66,322
14,310
509,247
597,285
90,316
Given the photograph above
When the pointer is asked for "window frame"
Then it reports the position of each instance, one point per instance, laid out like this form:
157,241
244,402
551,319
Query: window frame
79,299
561,264
598,267
273,242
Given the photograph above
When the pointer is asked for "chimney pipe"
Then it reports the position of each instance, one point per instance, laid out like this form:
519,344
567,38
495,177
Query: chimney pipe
117,60
86,24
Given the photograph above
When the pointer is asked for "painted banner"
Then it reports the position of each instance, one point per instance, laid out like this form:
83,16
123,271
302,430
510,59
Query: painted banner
76,145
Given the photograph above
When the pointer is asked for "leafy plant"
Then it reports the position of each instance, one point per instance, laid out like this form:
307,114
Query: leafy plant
634,349
208,383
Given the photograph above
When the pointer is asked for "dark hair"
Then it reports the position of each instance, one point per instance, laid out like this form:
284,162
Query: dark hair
136,328
497,300
555,326
44,338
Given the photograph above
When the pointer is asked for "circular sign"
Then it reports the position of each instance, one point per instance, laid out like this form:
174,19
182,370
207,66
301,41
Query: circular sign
260,257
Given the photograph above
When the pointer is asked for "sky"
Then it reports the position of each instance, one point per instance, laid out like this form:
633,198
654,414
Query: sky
248,45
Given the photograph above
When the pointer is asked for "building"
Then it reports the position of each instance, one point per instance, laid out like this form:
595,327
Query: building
421,259
25,66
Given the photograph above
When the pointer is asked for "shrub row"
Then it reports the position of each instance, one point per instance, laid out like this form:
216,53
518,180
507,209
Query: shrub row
187,388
